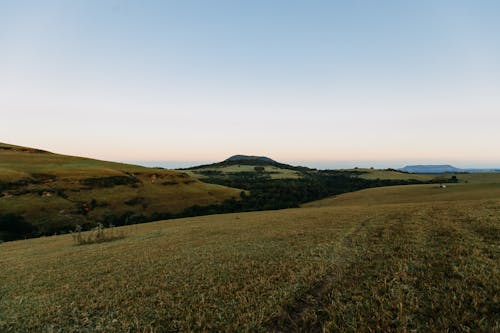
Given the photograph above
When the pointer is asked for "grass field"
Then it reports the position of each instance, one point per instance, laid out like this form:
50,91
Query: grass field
273,171
427,193
391,174
50,190
402,259
475,178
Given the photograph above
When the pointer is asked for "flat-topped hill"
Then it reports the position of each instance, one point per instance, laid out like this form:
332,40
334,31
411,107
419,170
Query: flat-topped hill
250,159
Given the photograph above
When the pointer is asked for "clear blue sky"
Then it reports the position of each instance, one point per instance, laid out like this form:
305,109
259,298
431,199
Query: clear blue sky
341,82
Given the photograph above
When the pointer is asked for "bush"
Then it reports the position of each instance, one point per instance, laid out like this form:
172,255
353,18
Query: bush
13,226
101,182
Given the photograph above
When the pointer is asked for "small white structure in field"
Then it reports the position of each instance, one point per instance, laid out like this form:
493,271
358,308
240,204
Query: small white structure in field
442,185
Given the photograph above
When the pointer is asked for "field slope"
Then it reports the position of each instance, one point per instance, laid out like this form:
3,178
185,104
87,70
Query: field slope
392,265
50,192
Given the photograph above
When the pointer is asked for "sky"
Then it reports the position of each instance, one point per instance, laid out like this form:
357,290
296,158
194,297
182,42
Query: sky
331,83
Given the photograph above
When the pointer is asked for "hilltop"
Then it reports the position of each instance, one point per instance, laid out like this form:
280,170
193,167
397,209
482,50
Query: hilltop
242,159
249,161
42,192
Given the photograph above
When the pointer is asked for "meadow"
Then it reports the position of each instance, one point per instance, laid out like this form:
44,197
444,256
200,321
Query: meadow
402,259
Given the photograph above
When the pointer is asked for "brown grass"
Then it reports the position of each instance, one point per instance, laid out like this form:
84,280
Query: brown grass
403,267
99,234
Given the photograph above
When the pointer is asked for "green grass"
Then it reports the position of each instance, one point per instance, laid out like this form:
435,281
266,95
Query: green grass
423,259
273,171
480,178
412,194
63,178
391,174
475,178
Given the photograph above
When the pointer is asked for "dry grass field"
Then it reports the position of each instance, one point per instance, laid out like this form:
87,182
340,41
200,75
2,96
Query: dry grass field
402,259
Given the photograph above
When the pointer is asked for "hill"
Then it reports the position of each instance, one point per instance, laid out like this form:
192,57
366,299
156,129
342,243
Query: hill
405,258
273,185
392,174
42,192
250,161
242,159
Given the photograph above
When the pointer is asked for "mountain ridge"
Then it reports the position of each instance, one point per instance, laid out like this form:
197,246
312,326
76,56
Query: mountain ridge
442,168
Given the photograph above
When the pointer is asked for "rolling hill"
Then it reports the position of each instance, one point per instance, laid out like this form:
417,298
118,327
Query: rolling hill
405,258
246,163
42,192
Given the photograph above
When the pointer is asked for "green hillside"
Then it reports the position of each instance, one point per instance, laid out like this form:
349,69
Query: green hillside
42,192
243,164
399,259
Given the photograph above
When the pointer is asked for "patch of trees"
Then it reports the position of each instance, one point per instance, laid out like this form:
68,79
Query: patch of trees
109,181
268,193
444,179
13,185
36,178
210,173
13,226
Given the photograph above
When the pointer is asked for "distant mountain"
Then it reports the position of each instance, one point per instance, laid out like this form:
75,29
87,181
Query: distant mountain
442,168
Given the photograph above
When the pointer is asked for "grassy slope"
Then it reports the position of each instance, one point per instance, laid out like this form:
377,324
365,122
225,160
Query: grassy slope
412,194
391,174
156,190
476,178
425,262
274,172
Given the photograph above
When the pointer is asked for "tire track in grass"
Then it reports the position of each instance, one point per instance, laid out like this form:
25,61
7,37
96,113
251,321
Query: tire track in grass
301,315
414,269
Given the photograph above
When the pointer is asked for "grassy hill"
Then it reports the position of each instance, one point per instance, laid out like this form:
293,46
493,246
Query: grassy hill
273,172
243,164
49,192
406,258
392,174
412,193
273,185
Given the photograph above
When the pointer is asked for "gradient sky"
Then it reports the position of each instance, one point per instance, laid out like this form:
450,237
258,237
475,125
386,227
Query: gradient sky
382,83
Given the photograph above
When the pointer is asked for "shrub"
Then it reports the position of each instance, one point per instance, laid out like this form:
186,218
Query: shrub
13,226
101,182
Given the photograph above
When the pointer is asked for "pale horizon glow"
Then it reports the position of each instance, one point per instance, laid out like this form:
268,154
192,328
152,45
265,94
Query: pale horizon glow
359,83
